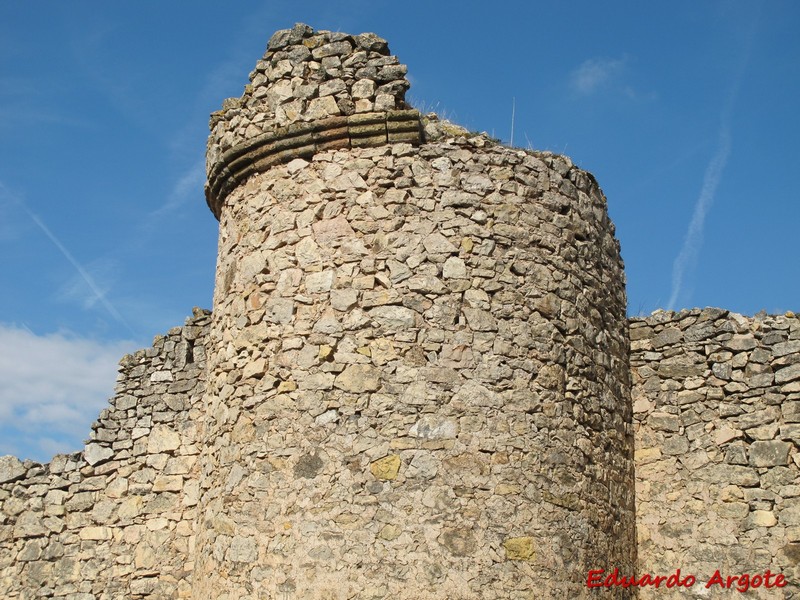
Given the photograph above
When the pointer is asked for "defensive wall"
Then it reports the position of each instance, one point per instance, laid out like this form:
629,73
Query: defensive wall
716,402
117,519
418,381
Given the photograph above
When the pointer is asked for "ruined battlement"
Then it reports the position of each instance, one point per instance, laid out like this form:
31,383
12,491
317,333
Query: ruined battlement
312,91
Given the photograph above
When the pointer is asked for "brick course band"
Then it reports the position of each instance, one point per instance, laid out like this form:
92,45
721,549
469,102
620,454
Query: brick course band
303,140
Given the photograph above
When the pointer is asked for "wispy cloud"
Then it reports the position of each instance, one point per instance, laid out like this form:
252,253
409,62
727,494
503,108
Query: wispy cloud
601,75
188,186
98,294
21,118
25,103
53,386
93,55
596,73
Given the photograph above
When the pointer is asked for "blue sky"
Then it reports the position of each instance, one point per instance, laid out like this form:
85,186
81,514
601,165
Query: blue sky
686,112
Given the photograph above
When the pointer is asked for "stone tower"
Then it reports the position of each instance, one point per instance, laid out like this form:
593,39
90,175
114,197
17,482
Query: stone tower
418,379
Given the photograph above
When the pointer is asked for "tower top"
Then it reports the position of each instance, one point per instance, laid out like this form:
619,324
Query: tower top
311,91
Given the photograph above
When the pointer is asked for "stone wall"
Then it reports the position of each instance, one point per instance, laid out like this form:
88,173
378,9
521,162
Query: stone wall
418,382
717,412
116,520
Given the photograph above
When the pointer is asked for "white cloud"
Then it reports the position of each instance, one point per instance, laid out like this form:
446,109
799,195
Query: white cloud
52,387
596,73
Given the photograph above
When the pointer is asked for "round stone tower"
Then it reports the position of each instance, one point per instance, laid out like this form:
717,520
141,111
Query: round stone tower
418,383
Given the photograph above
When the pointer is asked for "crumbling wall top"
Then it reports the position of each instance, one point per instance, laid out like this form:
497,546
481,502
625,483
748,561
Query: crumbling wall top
312,91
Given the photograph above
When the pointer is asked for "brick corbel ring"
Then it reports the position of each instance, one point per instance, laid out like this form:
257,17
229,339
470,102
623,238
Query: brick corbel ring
303,140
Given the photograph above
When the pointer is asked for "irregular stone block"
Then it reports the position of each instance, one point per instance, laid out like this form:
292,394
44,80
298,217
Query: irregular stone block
740,342
29,524
769,454
316,381
358,378
664,422
168,483
254,368
423,466
480,320
434,427
160,376
308,466
330,231
784,348
96,453
386,468
320,282
31,551
520,548
646,455
11,469
763,518
163,439
393,316
344,300
333,49
242,550
460,541
389,532
732,474
789,373
733,510
454,268
279,310
95,533
426,284
436,243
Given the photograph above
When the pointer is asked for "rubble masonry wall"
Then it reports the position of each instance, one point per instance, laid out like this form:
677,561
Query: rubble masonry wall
115,521
717,413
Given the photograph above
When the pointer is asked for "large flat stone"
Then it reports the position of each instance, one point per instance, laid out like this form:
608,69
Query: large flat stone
11,469
96,454
770,453
358,378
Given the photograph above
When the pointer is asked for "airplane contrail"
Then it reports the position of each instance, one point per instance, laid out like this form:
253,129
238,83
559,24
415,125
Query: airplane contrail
694,235
99,294
712,177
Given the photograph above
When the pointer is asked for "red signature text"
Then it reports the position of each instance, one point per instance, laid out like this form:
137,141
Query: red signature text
600,578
